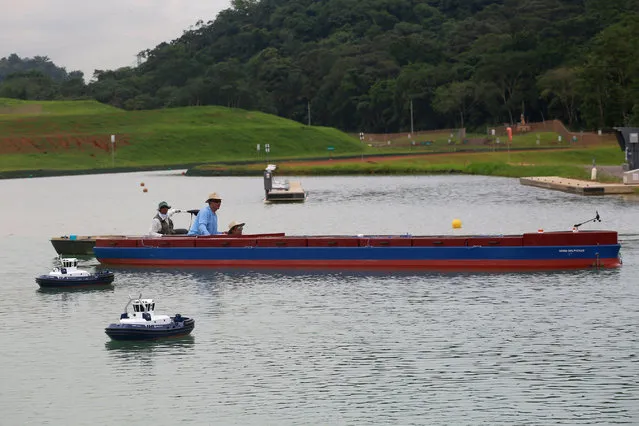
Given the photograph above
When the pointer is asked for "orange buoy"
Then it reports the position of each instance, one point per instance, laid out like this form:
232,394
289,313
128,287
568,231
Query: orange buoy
145,190
141,183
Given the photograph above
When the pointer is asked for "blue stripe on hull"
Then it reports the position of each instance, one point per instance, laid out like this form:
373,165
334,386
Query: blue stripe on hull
362,253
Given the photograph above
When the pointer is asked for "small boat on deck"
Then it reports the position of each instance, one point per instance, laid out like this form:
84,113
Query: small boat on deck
142,323
281,191
76,245
68,275
82,245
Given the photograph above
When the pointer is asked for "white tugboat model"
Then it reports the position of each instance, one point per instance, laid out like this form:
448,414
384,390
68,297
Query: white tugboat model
68,275
143,323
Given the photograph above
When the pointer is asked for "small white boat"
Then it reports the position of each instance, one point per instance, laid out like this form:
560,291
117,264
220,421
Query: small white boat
68,275
142,323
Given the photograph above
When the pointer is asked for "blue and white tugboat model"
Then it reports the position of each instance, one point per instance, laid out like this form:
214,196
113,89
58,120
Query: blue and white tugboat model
68,275
144,324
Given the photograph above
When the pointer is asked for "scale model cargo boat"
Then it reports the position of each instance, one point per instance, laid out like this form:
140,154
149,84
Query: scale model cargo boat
529,251
68,275
144,324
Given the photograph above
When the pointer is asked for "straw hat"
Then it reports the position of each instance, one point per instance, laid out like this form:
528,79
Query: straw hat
213,196
234,224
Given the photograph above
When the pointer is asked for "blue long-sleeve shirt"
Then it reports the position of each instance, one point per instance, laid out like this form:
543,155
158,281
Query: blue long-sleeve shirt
205,223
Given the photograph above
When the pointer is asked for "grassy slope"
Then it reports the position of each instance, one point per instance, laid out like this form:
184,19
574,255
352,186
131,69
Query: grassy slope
60,138
58,107
159,137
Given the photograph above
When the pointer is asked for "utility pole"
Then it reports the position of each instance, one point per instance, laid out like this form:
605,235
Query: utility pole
308,106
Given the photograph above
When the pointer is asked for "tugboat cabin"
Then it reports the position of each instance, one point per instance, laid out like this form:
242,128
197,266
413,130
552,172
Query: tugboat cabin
69,262
143,305
142,308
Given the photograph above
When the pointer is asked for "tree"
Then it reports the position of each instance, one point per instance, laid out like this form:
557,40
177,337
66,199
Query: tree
457,97
558,86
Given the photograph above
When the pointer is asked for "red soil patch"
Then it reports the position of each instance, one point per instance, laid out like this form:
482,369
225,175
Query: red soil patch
367,158
59,143
381,158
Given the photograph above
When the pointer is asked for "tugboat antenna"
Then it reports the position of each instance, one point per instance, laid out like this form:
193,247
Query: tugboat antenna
131,299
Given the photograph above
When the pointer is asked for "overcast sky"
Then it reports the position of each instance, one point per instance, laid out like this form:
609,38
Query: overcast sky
86,35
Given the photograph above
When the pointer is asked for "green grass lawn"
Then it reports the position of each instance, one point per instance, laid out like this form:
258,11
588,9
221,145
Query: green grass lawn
57,107
67,136
568,162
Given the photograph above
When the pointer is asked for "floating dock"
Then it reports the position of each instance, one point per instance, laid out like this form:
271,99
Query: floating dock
291,193
576,186
281,191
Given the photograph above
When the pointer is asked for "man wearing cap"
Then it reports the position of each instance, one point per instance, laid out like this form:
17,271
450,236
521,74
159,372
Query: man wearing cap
161,224
205,222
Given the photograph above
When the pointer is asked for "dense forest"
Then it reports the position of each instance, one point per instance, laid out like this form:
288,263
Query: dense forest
364,65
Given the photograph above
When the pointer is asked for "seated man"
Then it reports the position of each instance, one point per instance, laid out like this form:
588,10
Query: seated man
235,228
161,224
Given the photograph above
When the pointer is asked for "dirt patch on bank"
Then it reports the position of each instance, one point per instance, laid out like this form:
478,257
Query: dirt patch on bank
22,109
59,142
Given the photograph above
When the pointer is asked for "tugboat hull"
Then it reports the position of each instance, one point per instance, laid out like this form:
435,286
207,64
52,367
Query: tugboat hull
150,332
100,278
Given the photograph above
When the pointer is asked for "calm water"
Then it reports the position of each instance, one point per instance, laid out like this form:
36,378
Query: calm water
283,348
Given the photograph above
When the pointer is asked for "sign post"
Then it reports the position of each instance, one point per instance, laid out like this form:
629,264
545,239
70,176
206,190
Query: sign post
330,152
258,151
267,149
112,150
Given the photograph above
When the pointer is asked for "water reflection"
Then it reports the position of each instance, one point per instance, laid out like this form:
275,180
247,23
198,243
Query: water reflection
126,356
128,349
76,289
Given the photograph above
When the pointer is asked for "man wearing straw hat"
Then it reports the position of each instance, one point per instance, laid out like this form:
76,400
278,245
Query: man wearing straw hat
205,222
235,228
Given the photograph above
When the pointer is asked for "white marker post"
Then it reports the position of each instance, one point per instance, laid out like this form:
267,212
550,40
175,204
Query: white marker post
112,150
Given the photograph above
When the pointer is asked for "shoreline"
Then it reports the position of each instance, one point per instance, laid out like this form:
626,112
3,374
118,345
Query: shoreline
229,168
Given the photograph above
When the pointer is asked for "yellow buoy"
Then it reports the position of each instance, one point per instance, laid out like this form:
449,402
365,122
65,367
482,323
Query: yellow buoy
457,224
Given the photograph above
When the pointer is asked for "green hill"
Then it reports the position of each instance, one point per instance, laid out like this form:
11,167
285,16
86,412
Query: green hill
10,108
76,135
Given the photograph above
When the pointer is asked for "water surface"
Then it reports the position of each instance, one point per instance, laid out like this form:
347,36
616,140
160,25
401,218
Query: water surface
291,347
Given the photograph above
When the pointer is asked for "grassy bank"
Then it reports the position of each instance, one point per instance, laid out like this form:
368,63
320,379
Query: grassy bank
569,162
74,137
64,136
